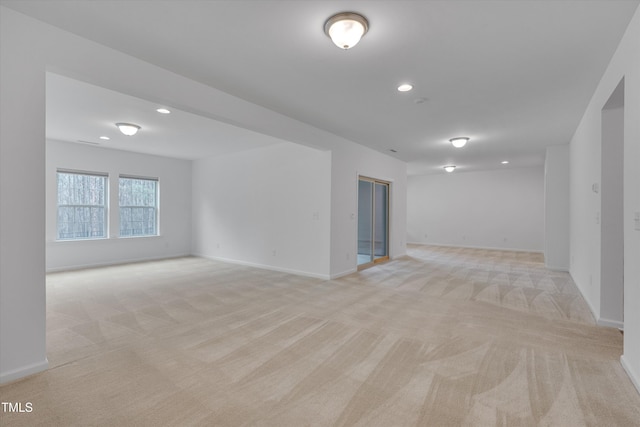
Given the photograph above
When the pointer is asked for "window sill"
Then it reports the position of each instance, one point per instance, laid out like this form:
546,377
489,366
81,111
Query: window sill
93,239
101,239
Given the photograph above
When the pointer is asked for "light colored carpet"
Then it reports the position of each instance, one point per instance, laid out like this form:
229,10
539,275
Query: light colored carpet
443,337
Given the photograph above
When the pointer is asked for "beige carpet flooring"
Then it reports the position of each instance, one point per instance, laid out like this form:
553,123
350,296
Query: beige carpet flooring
442,337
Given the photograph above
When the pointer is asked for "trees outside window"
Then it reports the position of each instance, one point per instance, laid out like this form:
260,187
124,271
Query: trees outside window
138,206
82,208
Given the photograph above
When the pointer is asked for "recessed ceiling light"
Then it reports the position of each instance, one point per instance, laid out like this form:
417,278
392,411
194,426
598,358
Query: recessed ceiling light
106,138
163,111
505,162
459,142
128,129
405,87
449,168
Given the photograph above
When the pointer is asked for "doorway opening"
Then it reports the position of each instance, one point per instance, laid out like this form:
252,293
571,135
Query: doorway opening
373,221
612,217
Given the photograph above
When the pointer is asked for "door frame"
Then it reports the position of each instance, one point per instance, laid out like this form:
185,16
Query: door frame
386,257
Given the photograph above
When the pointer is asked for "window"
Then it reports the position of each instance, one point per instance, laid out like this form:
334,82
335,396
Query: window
82,206
138,206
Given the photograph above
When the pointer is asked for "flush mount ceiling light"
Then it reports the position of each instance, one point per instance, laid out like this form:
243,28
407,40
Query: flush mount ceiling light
128,129
105,138
505,162
163,111
405,87
450,168
346,29
459,142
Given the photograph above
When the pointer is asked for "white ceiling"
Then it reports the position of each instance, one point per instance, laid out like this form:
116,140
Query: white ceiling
515,76
81,112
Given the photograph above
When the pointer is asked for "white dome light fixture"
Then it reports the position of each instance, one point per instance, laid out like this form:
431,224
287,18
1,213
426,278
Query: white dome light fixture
405,87
346,29
459,142
128,129
449,168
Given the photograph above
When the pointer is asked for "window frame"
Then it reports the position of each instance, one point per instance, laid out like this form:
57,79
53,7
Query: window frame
104,206
156,206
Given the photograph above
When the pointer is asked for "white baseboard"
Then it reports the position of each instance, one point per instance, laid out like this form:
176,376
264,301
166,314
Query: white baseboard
611,323
111,263
266,267
535,251
599,321
556,268
399,256
591,309
24,371
344,273
633,376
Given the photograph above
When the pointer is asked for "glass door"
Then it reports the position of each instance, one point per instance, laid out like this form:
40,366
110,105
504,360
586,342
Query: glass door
373,221
380,223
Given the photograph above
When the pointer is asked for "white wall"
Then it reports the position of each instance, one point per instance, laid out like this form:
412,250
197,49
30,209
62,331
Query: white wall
267,207
585,204
323,182
174,181
29,49
556,207
22,200
348,162
500,209
612,218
